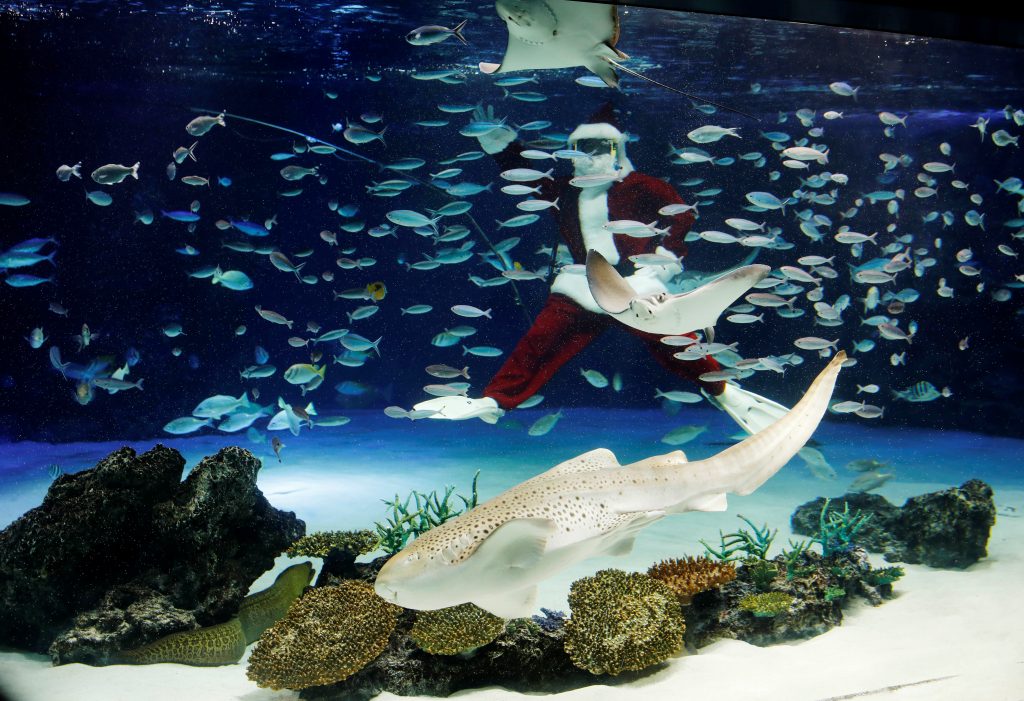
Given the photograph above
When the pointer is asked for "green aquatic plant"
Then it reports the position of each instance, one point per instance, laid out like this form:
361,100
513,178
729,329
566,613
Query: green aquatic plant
321,543
754,544
836,530
884,575
767,605
622,622
455,629
430,510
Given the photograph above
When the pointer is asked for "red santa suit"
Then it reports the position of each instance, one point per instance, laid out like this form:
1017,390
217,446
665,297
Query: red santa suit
571,319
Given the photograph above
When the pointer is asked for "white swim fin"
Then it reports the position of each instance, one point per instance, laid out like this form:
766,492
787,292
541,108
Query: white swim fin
459,408
665,313
751,411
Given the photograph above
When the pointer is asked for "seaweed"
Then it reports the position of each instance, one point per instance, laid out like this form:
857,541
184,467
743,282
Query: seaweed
430,510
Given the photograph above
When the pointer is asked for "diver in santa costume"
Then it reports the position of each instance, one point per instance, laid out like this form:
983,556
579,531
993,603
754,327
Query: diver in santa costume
571,318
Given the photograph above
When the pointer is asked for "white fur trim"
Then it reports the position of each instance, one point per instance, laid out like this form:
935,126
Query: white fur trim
593,215
599,130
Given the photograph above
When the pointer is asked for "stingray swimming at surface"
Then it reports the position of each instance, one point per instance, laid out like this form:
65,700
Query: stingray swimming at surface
544,34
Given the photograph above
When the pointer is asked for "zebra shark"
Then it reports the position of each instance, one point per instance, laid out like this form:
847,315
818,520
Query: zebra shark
495,554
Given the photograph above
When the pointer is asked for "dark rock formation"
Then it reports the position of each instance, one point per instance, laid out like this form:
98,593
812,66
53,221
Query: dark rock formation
125,553
949,528
523,658
716,614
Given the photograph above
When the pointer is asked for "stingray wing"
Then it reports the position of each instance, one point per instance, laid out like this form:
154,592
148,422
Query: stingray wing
564,34
610,290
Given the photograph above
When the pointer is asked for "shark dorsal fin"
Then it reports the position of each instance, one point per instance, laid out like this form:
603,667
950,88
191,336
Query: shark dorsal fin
591,461
517,543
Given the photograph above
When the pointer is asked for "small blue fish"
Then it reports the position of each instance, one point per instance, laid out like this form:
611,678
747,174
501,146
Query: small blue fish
26,280
182,216
433,33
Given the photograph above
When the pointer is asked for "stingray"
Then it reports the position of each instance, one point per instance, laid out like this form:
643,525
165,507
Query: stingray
666,313
546,34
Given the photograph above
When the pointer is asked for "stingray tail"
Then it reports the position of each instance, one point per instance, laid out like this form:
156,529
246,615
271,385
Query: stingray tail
630,71
457,31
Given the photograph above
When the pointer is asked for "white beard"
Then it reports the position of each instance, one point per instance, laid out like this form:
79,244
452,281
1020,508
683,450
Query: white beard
595,165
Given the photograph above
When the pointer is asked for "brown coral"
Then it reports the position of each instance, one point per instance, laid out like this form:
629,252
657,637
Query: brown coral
452,630
692,575
321,543
622,622
326,636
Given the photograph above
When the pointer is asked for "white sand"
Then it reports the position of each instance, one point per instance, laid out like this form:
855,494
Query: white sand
961,627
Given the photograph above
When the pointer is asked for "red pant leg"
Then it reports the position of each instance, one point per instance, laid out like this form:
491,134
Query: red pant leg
561,330
686,369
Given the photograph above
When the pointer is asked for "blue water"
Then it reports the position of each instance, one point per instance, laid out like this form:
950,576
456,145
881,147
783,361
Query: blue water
117,83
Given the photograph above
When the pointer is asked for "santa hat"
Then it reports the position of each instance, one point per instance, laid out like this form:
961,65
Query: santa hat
602,124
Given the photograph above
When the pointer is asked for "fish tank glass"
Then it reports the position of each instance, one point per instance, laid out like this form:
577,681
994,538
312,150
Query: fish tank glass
529,347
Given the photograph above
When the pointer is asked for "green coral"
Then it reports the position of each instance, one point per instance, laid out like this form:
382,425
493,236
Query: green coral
326,636
762,572
833,593
411,521
321,543
884,575
622,622
794,556
766,605
456,629
836,530
754,544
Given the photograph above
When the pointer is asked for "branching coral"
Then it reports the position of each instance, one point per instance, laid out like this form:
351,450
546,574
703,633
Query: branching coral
754,544
622,622
692,575
766,605
326,636
321,543
452,630
836,530
884,575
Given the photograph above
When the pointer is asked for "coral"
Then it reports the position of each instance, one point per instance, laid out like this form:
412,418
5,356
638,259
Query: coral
261,610
692,575
321,543
884,575
761,572
833,593
456,629
326,636
622,622
836,530
794,557
550,621
754,544
430,511
767,605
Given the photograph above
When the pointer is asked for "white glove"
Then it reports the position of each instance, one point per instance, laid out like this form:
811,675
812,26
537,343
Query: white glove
663,273
495,140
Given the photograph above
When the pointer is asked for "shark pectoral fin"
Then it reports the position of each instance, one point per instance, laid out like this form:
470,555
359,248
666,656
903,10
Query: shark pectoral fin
621,547
610,290
516,604
518,543
714,502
